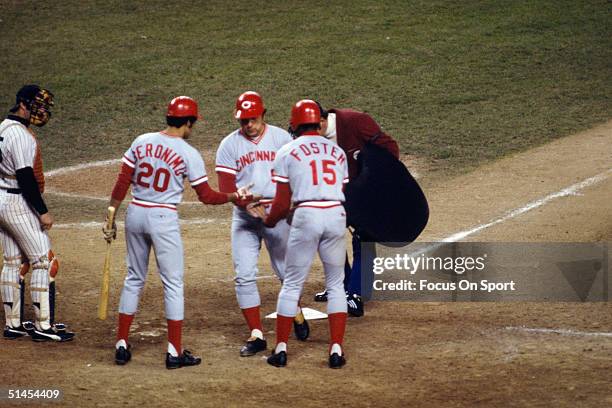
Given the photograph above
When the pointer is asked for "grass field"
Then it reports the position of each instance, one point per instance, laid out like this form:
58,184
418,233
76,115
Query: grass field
457,83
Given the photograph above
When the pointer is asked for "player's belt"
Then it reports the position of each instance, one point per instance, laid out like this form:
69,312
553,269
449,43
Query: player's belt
12,190
150,204
317,204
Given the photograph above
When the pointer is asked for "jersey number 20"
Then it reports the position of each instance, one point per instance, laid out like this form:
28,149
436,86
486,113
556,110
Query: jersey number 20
160,180
329,174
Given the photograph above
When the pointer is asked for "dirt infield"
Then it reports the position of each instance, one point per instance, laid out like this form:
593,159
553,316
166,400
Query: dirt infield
400,354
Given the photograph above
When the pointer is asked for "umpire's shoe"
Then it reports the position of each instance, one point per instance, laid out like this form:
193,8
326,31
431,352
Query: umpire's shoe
12,333
278,359
56,333
253,346
184,360
354,305
301,330
123,354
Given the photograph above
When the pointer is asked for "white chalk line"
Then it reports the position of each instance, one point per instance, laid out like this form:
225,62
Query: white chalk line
82,166
562,332
568,191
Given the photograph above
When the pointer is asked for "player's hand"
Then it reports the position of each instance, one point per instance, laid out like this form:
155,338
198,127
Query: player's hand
256,210
244,192
109,233
46,221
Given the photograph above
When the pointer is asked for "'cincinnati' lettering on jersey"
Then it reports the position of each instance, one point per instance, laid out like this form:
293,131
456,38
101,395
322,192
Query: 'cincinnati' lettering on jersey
255,156
164,153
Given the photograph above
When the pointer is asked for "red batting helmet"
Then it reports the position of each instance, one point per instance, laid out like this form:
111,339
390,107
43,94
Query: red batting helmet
249,105
305,112
182,107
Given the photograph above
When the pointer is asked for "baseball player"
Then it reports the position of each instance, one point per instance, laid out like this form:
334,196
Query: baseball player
310,172
25,220
352,130
156,165
245,156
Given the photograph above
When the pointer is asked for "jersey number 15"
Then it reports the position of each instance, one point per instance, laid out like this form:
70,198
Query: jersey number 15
329,174
160,180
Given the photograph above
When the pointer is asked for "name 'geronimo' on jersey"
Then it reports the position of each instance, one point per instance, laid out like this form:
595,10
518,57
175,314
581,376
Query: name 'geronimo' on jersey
161,163
315,167
251,160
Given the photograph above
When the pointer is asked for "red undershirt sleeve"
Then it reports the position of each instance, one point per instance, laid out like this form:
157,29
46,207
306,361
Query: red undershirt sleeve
280,205
209,196
124,179
227,182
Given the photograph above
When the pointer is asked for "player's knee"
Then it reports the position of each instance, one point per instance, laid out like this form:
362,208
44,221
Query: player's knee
47,263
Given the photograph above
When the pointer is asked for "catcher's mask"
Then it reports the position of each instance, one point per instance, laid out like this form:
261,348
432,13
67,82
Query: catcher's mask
38,100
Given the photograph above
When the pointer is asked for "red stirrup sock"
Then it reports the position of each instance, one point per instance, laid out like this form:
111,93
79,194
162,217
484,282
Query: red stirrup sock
283,328
252,317
175,329
337,324
125,321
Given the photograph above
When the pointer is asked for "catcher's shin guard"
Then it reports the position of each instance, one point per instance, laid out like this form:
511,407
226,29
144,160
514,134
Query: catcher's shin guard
12,291
42,286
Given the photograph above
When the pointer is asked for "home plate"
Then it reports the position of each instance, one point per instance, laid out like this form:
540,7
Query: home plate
309,314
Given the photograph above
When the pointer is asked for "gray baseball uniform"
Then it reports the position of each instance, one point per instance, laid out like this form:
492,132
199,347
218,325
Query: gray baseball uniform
160,163
316,170
251,162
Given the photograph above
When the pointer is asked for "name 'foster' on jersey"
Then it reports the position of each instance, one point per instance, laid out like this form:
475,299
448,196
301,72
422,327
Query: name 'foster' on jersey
315,167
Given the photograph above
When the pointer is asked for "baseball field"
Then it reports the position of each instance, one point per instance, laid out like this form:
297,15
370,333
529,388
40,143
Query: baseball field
501,109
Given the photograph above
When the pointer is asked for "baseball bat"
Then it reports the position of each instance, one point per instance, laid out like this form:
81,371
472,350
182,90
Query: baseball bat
103,305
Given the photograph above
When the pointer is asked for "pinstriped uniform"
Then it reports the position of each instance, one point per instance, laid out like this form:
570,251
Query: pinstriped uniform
21,235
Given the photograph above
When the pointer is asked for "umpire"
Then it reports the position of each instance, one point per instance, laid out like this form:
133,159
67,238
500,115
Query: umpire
352,130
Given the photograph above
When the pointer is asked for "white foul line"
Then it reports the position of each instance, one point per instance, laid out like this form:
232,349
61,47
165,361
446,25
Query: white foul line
571,190
563,332
70,169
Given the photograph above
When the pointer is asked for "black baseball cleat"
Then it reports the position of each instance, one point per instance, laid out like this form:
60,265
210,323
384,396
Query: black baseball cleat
11,333
354,305
321,296
123,355
184,360
59,334
301,330
278,359
336,360
253,347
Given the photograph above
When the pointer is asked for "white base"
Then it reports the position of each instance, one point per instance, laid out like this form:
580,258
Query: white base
309,314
